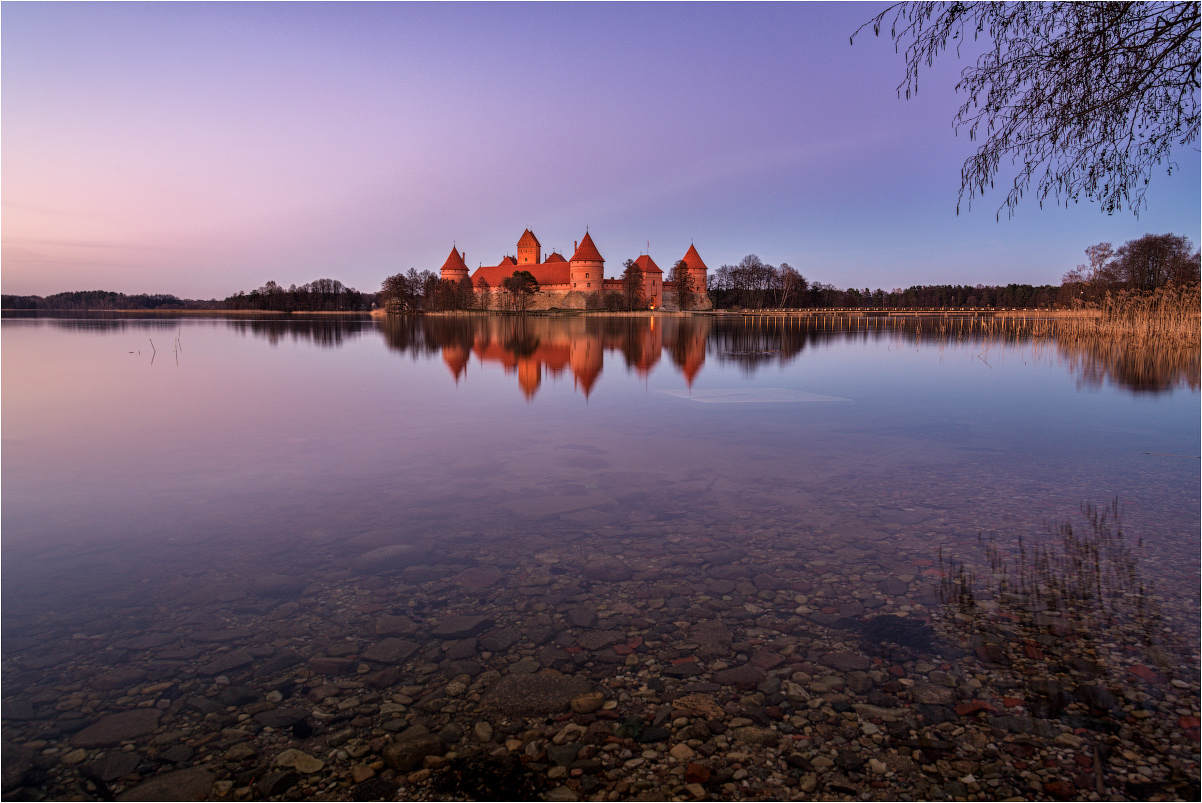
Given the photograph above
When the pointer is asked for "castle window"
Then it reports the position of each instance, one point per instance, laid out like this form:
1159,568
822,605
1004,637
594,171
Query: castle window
590,284
586,275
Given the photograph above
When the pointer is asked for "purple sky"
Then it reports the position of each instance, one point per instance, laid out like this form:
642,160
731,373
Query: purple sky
204,149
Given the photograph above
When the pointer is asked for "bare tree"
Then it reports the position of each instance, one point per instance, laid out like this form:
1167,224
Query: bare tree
398,293
465,293
484,293
1085,98
1156,260
791,285
1089,282
686,293
632,285
521,287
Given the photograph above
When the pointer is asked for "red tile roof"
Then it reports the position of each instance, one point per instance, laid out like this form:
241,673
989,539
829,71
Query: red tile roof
647,265
693,260
587,251
544,272
528,238
554,257
454,261
553,273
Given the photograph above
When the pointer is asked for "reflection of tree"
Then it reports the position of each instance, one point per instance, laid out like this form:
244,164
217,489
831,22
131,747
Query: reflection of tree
1145,366
640,345
101,323
406,334
751,343
324,331
521,342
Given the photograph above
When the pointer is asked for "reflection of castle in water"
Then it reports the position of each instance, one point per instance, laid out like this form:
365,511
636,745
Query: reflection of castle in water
537,347
534,346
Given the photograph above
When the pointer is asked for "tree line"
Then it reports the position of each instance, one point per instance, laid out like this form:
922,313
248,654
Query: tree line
1142,265
103,300
754,284
319,295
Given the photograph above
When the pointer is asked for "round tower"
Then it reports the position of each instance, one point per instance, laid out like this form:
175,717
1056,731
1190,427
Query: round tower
697,269
454,269
529,249
586,270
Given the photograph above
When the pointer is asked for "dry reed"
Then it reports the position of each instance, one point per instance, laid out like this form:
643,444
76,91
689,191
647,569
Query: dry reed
1167,317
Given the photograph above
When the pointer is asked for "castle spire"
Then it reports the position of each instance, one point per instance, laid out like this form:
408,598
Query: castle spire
587,250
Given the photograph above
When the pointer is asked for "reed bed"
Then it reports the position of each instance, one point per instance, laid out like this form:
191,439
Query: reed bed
1088,575
1146,342
1167,317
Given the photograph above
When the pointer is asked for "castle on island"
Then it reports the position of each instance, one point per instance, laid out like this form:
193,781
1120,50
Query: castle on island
568,283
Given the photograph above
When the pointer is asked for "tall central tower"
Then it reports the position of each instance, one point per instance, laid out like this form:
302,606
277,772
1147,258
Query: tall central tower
529,249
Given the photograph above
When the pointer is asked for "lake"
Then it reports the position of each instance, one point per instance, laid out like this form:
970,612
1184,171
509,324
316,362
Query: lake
759,557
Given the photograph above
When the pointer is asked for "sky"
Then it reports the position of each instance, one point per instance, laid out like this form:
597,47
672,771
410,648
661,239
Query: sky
202,149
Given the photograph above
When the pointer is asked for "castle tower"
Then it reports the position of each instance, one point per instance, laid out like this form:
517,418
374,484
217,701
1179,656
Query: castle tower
653,281
454,268
529,249
586,270
697,269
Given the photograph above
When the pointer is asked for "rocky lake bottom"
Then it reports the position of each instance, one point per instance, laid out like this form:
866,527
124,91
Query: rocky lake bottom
637,660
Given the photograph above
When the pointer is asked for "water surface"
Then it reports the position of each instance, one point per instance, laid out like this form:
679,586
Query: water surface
157,469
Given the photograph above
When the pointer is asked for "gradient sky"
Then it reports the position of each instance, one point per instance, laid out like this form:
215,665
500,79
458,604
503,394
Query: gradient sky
204,149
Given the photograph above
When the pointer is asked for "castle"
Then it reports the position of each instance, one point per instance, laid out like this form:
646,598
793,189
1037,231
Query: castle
568,283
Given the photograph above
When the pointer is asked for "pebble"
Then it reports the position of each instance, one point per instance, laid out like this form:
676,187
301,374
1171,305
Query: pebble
299,761
682,752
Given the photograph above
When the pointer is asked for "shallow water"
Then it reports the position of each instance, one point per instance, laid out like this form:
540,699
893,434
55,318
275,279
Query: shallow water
174,475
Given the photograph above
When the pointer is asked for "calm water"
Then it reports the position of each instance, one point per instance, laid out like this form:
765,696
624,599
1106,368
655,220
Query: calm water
153,465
